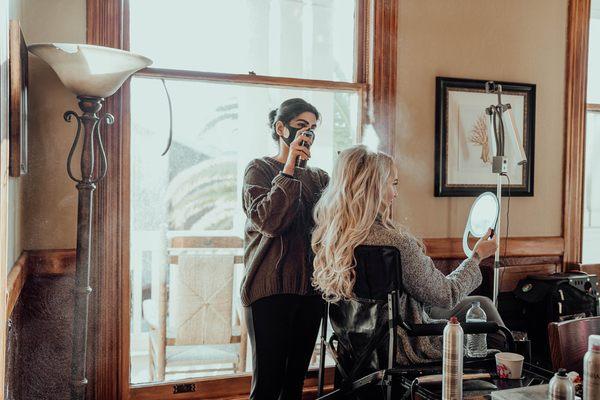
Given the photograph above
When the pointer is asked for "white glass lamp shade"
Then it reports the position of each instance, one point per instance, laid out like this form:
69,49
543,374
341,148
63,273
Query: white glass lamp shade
86,70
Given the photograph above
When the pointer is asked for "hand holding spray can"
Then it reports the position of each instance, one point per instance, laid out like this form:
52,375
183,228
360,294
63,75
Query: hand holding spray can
300,163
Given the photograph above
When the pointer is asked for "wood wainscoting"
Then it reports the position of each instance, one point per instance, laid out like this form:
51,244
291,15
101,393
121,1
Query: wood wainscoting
39,325
523,256
59,262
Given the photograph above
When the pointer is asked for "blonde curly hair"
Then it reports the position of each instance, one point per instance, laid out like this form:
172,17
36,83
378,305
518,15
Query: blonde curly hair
344,215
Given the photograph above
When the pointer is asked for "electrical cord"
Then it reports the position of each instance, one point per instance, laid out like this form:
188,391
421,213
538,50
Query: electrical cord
170,103
507,215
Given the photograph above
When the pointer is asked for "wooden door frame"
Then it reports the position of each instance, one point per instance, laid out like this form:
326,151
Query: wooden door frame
575,120
109,317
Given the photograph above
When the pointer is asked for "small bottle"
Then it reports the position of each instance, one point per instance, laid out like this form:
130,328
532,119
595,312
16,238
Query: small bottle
476,343
591,369
452,368
561,387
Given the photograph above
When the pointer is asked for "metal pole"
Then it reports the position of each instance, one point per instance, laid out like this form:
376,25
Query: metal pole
497,255
86,184
323,350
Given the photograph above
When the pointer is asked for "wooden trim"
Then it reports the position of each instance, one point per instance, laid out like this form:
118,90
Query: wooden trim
207,242
108,374
575,109
18,62
451,248
16,279
237,79
437,248
58,262
229,387
362,38
383,70
592,107
125,294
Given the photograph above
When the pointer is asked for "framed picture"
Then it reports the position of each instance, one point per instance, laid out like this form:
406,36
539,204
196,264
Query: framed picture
464,138
18,65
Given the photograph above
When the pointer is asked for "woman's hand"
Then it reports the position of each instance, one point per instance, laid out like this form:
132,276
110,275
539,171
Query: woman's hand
486,246
297,150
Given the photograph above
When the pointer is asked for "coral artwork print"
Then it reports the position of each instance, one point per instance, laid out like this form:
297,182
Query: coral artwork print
479,137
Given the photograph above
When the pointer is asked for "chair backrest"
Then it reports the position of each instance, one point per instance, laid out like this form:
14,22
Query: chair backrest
569,342
377,271
200,299
361,324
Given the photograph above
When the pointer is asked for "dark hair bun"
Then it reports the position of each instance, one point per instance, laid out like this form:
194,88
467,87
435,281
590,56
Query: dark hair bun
272,116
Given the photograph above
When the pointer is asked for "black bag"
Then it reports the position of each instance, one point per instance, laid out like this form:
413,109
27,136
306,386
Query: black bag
550,299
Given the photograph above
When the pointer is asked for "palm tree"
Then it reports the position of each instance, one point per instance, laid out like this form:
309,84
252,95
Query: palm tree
203,196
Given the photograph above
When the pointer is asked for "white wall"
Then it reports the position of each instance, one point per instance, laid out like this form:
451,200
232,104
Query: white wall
510,40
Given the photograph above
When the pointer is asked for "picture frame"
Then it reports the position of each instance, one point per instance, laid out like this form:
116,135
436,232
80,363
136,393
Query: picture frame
463,152
18,86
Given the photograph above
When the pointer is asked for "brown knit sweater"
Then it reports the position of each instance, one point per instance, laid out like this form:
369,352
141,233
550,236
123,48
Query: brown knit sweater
277,253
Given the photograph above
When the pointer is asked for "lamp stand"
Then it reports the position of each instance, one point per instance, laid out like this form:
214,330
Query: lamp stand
499,167
89,123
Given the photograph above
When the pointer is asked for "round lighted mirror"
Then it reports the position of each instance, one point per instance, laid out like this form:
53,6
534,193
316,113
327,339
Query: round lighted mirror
483,215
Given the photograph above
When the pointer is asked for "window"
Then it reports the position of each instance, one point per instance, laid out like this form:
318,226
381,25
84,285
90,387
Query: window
123,329
186,225
591,195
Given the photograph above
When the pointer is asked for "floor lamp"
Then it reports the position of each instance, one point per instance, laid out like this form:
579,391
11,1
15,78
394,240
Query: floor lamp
92,73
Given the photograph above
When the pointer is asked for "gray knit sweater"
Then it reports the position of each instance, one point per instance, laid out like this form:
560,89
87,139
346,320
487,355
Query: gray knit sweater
277,252
424,285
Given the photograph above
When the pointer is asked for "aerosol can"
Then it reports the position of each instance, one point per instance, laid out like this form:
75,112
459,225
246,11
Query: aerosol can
561,387
452,369
591,369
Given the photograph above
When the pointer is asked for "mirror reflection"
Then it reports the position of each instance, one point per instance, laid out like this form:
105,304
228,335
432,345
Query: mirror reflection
483,214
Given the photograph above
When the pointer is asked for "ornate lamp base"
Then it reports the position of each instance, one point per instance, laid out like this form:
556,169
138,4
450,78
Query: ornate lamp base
91,142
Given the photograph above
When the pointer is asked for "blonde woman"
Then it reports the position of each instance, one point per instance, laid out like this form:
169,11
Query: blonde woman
355,210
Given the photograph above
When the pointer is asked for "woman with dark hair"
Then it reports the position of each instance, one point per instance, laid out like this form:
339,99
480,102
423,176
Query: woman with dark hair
283,310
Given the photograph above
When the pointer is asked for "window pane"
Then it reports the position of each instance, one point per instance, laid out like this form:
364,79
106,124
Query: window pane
186,217
591,202
593,91
311,39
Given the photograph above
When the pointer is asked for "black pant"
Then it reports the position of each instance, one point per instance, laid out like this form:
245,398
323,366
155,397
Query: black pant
283,330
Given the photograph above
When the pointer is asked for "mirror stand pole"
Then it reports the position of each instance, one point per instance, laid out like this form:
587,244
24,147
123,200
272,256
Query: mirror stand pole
496,288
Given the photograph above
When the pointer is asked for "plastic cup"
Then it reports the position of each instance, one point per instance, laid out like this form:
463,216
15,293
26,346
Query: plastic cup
509,365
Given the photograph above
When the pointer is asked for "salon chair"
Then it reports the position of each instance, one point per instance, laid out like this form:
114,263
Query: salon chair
363,343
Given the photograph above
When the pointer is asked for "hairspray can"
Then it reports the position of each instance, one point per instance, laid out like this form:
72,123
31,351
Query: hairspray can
299,162
452,369
591,369
561,387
